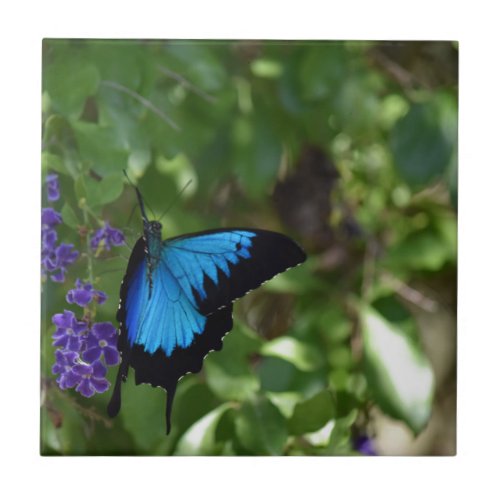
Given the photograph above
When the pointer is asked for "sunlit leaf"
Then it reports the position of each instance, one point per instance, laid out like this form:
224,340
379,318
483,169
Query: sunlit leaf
52,162
321,437
398,374
303,356
285,401
266,68
200,438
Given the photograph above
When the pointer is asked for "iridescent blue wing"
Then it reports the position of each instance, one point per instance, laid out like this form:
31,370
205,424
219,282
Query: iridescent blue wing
168,328
216,267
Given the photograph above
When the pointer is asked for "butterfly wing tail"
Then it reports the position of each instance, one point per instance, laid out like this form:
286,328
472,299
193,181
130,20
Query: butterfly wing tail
115,402
170,404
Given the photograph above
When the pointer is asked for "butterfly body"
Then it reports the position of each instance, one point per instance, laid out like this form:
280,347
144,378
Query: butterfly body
176,298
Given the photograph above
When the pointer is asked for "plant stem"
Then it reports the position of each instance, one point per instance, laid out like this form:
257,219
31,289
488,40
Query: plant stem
90,272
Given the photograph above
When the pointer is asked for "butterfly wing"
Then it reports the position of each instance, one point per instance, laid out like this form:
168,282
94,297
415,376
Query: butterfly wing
162,335
216,267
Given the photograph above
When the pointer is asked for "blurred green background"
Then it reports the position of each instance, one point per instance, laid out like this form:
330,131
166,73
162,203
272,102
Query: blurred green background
348,147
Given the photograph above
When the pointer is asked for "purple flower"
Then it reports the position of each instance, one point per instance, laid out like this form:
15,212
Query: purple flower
102,340
49,238
84,293
92,378
365,445
106,237
55,259
50,218
69,331
52,182
65,361
61,258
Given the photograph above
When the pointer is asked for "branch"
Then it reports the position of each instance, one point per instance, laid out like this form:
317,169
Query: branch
410,294
145,102
186,83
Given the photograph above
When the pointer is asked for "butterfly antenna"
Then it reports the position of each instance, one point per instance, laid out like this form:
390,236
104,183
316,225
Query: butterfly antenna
140,198
175,199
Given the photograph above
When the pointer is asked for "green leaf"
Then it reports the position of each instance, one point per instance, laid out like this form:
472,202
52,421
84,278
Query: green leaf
121,61
193,400
398,373
138,161
425,249
392,108
57,130
52,162
322,436
69,81
257,151
143,414
312,414
104,191
201,437
285,401
69,436
228,372
101,147
275,374
323,68
304,356
261,428
421,144
181,170
340,438
208,73
69,217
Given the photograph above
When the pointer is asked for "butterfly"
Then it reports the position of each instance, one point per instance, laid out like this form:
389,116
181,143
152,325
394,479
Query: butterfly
176,298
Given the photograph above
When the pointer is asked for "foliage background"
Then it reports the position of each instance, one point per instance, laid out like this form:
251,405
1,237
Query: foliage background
350,147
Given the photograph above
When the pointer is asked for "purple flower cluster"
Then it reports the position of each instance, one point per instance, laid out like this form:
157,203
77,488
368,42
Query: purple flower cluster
106,237
55,258
83,346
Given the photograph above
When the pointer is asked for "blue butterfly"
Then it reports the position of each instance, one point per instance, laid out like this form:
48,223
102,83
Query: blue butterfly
176,298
